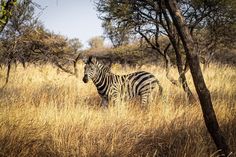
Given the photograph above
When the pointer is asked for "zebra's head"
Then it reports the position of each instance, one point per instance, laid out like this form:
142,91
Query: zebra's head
93,69
90,69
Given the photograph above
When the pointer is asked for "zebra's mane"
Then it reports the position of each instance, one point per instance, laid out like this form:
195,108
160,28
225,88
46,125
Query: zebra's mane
97,63
104,67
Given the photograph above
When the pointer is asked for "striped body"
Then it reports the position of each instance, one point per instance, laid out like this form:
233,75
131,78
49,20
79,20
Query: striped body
113,87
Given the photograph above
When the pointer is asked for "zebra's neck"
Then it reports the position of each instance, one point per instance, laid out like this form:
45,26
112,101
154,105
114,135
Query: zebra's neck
102,81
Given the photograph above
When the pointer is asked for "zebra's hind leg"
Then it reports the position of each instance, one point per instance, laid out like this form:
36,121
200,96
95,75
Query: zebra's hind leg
145,100
114,98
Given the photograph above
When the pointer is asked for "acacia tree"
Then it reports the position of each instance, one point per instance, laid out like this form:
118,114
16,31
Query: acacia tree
24,39
96,42
75,44
19,23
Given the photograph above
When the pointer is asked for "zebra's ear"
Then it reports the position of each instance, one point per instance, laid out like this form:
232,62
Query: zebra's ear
89,59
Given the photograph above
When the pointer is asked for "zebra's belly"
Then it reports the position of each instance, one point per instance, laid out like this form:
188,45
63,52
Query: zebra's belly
128,92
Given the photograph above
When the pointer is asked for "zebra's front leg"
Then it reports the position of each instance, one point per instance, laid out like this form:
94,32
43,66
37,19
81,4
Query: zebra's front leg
104,102
114,98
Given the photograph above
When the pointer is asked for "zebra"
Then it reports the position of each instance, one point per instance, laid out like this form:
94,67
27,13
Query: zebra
112,87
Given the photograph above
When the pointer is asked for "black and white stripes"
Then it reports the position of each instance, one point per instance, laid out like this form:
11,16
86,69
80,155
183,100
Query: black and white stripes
114,88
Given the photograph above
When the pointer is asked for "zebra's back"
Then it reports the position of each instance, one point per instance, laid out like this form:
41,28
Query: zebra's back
132,85
140,82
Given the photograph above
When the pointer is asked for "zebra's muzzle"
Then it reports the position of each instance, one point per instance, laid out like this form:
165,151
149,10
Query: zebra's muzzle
85,78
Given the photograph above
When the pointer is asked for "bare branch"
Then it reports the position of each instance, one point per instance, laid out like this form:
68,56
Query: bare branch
62,68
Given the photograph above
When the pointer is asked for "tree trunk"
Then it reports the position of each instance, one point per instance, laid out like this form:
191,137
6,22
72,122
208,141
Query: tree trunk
183,81
199,83
167,69
168,26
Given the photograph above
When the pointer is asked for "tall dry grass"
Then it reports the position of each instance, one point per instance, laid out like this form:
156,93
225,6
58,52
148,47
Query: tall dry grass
46,113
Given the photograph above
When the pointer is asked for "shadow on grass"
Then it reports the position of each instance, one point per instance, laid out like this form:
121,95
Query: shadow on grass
183,141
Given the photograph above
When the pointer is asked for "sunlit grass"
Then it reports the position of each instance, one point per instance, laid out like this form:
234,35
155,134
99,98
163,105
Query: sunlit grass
45,112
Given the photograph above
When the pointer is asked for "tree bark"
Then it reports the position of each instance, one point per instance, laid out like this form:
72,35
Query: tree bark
199,83
182,77
168,26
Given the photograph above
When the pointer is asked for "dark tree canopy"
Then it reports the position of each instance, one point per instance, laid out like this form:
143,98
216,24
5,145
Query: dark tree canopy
123,19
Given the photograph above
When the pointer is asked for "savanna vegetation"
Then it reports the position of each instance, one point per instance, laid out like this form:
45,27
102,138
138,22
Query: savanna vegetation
46,113
46,109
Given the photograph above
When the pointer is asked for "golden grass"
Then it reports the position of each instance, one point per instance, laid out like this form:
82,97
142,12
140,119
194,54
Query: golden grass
46,113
